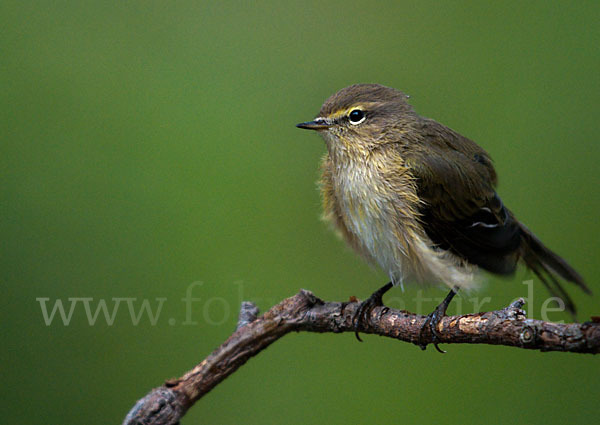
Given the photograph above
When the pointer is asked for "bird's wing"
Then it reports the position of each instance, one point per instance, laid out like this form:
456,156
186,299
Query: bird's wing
462,212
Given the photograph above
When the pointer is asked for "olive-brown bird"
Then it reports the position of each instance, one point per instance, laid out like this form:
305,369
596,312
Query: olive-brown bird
419,199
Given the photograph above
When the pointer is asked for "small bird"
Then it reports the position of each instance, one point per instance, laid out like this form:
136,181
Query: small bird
419,200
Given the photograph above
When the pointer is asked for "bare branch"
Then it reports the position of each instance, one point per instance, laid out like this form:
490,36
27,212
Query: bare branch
306,312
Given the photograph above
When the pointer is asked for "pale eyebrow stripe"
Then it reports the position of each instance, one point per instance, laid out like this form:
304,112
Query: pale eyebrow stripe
365,106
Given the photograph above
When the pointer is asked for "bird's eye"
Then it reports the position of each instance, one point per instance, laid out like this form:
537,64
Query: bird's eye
356,116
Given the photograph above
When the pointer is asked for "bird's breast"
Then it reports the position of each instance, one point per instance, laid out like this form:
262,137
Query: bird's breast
374,206
367,203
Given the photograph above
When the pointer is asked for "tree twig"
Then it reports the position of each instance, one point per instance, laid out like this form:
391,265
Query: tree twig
305,312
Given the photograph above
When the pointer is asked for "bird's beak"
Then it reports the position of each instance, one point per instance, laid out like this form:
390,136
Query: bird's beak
316,124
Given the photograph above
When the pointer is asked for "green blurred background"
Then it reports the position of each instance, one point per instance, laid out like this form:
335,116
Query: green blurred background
147,146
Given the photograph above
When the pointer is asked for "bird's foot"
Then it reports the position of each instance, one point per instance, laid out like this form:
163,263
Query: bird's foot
433,320
365,308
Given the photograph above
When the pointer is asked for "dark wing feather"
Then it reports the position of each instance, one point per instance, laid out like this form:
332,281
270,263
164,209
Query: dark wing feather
461,211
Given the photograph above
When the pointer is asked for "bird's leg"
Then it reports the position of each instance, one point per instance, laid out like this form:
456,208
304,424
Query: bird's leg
365,308
433,320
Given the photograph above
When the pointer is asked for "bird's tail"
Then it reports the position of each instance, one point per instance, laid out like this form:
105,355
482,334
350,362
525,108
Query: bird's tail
548,266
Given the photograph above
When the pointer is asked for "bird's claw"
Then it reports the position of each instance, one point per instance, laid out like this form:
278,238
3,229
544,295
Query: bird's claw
433,320
365,308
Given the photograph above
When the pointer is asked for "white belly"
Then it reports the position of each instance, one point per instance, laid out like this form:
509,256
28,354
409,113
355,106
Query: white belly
370,216
379,221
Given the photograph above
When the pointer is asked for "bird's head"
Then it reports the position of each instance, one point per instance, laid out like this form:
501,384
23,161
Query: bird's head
361,117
